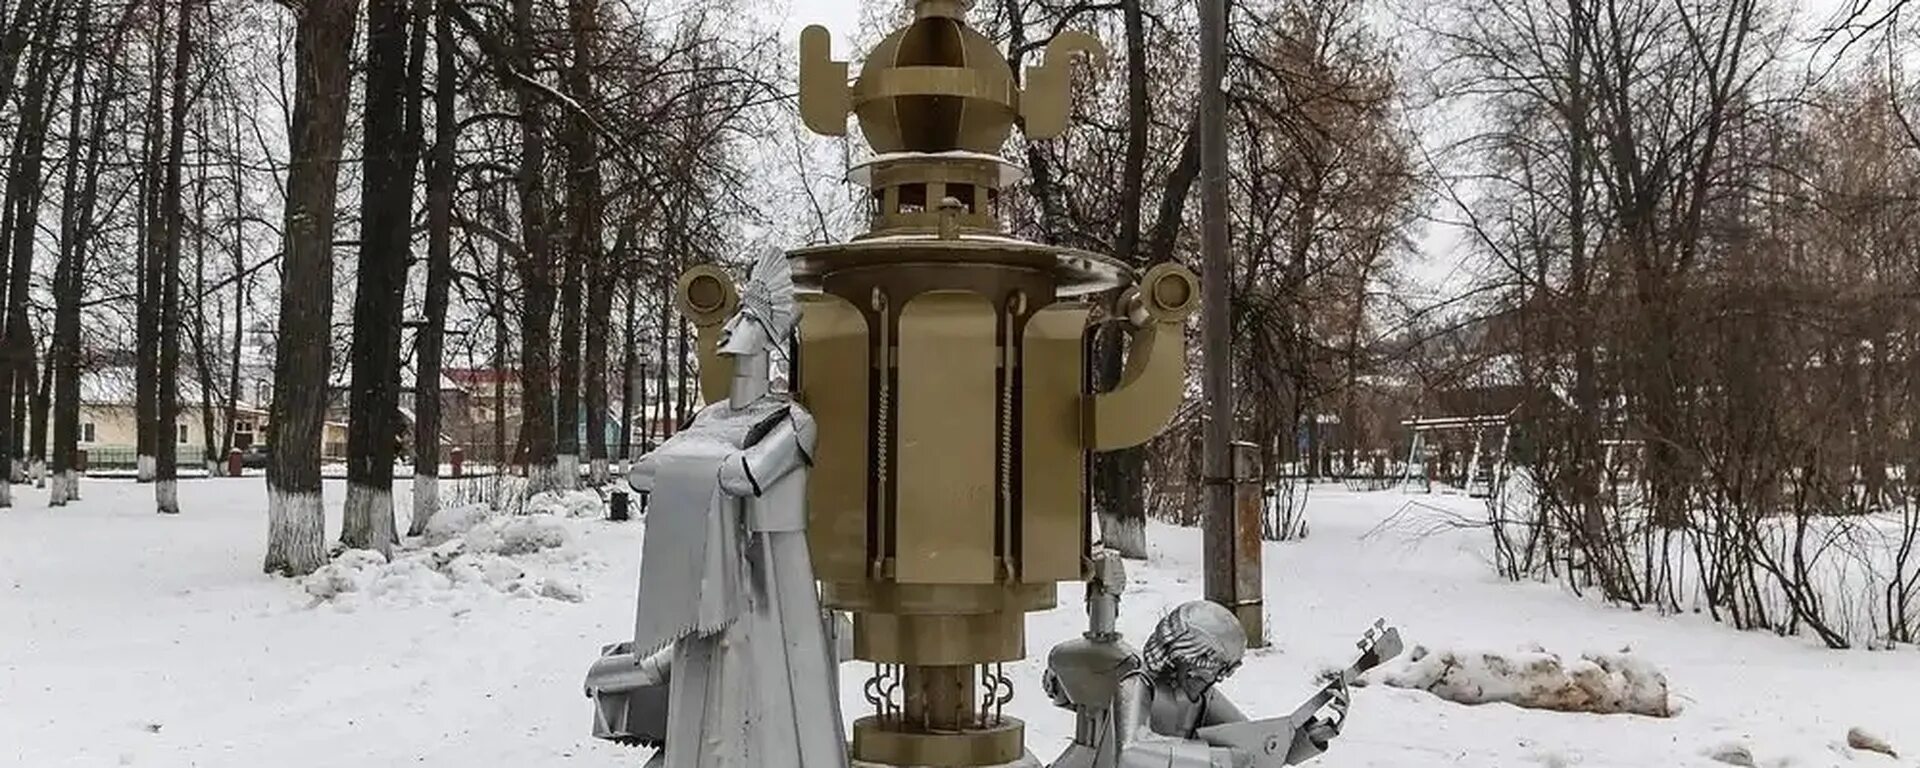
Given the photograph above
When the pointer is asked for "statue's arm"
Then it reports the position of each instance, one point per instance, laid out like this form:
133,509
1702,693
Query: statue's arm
787,448
640,478
1221,710
1140,747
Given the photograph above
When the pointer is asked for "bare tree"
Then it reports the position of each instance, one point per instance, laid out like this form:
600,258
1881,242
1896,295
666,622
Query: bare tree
430,344
80,196
18,223
390,138
152,237
167,403
295,516
587,254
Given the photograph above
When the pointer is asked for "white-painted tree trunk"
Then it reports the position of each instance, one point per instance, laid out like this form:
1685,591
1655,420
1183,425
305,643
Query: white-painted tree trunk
426,501
146,467
38,470
567,471
541,477
166,497
62,488
213,469
376,504
6,493
598,473
1128,537
19,471
296,532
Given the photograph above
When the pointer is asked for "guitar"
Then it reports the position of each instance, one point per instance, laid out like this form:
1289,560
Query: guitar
1305,734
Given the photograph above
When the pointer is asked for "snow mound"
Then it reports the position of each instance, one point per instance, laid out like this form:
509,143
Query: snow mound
352,571
578,503
517,556
1732,753
1600,683
1858,738
452,522
518,535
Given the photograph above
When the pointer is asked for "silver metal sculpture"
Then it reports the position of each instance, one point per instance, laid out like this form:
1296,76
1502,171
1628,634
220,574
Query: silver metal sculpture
1164,709
732,662
1084,674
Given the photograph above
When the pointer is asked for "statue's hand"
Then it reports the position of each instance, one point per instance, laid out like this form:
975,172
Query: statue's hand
735,478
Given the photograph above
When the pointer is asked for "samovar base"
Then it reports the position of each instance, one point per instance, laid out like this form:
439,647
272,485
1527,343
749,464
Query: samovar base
1026,761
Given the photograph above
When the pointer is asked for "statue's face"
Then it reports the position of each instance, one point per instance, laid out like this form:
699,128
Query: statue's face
1194,679
743,336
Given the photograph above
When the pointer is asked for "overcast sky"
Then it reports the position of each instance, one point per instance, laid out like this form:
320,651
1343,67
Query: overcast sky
842,17
1440,263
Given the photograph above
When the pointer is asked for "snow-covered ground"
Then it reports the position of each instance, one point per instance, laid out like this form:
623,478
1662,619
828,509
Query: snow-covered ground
127,638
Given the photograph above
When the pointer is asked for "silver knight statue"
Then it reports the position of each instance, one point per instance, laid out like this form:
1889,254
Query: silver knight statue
1084,674
731,664
1164,709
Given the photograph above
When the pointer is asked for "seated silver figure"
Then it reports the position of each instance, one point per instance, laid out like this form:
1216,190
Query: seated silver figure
1164,708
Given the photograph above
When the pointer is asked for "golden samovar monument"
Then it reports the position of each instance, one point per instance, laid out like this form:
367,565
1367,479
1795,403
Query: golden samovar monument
944,363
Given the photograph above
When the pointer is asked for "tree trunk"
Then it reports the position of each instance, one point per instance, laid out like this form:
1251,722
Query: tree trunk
430,342
167,403
70,276
23,197
666,327
63,355
323,47
385,236
628,361
587,254
42,386
240,284
202,360
536,275
566,409
149,244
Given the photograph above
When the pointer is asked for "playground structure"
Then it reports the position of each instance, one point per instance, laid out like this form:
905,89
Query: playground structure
1435,444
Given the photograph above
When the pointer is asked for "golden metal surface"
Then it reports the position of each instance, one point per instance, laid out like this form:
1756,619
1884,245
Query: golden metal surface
939,698
1070,272
875,742
1153,383
963,639
945,440
1149,391
1047,101
825,100
956,9
907,95
705,296
1170,293
833,385
949,383
1053,459
937,599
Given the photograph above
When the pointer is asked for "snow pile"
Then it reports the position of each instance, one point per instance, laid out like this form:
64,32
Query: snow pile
1732,753
520,555
453,522
577,503
518,535
1601,683
1860,739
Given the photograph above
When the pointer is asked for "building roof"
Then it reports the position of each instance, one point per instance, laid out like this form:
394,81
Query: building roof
115,386
447,383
